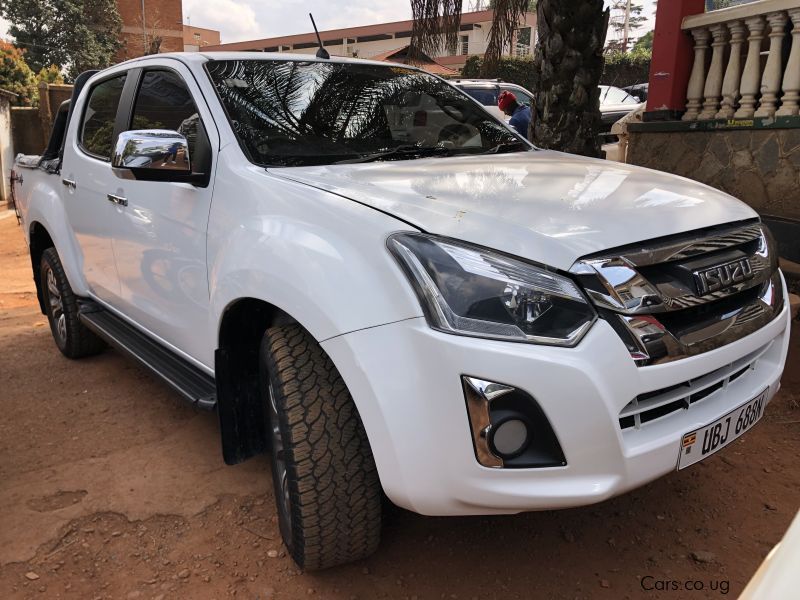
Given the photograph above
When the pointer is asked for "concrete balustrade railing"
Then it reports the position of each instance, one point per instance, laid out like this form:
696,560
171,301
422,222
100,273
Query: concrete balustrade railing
746,61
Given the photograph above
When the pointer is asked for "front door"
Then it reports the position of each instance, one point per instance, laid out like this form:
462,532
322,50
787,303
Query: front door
87,177
160,235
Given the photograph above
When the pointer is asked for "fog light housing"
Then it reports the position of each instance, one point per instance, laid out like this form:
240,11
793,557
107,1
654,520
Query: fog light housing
509,438
509,428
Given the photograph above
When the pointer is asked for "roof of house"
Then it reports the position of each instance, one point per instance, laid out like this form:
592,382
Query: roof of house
335,36
400,55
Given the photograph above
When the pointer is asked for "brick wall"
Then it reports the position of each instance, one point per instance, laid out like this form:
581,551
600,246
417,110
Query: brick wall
162,19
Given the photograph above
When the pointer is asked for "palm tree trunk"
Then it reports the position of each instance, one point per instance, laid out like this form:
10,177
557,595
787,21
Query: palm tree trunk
569,64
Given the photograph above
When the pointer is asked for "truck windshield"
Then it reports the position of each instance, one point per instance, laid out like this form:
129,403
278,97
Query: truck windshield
293,113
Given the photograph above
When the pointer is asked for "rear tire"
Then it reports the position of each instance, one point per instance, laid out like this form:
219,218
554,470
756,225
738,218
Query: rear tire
61,305
326,485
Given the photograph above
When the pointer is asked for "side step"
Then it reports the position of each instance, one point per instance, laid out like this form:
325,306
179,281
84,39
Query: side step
190,382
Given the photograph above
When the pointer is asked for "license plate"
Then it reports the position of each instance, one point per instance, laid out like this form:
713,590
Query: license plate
702,443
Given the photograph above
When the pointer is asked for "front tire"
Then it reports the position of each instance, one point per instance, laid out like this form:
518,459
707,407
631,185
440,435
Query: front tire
326,485
71,336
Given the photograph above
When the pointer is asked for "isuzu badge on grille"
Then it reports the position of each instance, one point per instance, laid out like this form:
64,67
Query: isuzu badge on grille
722,277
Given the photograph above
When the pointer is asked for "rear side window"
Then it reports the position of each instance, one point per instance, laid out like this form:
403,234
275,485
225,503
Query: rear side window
97,132
486,96
164,102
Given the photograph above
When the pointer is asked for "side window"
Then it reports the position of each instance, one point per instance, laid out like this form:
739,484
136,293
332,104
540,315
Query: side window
486,96
164,102
97,132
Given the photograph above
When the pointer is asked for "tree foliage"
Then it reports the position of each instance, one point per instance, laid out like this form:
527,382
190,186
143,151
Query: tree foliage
437,23
74,35
644,43
510,69
618,23
627,68
15,75
51,74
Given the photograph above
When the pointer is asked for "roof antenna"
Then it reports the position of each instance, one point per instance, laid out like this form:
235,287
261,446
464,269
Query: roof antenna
321,53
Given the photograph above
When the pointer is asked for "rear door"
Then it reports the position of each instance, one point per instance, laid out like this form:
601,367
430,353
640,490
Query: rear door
88,179
160,235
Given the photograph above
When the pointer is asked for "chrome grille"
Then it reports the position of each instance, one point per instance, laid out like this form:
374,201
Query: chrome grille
651,406
655,294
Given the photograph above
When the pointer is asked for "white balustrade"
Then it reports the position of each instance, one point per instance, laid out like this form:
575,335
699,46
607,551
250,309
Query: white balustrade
751,78
731,86
713,87
733,73
791,77
694,94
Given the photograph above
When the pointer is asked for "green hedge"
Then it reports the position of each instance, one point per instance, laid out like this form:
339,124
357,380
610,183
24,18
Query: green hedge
512,70
621,69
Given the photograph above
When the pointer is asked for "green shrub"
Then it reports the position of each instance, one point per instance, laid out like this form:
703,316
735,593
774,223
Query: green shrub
622,69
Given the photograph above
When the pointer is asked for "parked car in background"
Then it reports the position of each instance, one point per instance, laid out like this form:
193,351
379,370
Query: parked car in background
638,90
395,295
615,103
487,92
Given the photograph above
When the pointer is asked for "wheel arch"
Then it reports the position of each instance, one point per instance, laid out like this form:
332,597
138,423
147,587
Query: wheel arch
39,241
240,408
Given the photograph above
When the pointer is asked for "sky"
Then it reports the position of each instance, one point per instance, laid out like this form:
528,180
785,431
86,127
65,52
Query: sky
239,20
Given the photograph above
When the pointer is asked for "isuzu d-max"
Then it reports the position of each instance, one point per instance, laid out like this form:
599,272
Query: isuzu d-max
377,282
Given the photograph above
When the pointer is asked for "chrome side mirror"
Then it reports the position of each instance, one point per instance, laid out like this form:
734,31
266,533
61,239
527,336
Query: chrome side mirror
151,153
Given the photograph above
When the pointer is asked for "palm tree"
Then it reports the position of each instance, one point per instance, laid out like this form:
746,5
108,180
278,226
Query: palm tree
568,62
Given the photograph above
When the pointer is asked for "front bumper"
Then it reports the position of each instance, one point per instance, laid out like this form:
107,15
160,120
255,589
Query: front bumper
406,381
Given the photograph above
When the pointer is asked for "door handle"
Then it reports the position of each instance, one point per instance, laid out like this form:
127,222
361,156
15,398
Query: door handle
118,200
70,183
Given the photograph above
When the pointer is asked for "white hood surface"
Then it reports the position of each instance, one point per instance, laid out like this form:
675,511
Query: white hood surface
546,206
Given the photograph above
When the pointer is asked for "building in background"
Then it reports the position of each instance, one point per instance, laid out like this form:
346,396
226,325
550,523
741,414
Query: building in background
150,27
376,40
197,38
154,26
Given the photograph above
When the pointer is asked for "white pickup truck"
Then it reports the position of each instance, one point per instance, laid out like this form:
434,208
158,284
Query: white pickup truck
372,279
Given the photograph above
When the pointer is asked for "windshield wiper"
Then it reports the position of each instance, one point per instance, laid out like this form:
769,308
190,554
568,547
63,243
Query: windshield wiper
398,151
506,147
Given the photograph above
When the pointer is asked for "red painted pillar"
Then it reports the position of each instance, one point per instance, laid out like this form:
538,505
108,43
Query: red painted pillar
672,60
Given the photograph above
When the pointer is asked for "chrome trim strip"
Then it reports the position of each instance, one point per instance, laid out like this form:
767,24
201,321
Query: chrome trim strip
658,345
616,283
655,253
478,394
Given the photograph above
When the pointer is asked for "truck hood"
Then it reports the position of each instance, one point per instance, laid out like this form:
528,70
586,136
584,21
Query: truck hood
546,206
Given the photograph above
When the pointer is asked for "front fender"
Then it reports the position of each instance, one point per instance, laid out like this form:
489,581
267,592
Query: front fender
319,257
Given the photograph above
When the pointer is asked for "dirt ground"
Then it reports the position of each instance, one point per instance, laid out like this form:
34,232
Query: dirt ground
111,487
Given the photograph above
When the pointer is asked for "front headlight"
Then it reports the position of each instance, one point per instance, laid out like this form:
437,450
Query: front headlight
468,290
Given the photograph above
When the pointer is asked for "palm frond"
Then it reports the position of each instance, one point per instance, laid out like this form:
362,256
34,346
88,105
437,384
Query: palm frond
436,24
508,15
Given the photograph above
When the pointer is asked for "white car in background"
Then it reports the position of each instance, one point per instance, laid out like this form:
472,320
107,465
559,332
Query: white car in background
487,91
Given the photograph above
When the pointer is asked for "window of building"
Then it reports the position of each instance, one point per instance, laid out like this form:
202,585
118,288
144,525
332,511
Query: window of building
97,132
463,48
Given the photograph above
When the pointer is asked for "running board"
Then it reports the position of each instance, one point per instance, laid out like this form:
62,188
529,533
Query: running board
194,385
